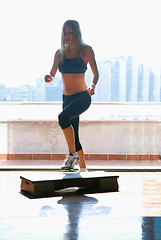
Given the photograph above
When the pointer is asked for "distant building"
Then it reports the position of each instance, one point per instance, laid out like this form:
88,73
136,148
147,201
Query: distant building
131,79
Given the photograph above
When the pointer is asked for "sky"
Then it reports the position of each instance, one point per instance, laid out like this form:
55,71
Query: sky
30,33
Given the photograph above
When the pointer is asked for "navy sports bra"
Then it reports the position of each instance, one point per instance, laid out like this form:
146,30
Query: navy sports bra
72,65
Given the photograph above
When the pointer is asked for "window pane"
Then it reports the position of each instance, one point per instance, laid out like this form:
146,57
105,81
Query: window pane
125,36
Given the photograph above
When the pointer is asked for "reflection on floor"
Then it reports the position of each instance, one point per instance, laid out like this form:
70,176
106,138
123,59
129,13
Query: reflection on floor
133,213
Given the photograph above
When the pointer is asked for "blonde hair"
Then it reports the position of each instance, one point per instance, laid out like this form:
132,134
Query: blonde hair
77,37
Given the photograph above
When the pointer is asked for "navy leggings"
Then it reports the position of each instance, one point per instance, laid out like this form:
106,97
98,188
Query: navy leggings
73,106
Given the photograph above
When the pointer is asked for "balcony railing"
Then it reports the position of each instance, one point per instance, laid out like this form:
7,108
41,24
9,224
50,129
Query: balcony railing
48,111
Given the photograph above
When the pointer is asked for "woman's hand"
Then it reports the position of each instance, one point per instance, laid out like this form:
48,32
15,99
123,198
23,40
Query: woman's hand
48,78
90,91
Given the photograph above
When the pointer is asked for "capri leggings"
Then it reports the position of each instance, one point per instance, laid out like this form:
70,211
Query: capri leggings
73,106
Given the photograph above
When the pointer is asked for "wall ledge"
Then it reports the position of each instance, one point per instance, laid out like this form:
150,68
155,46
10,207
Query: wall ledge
81,121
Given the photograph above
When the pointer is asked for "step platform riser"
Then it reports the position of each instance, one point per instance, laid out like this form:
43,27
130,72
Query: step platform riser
94,181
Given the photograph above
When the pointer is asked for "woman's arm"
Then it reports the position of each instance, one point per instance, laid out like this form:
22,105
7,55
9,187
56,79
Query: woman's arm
93,65
49,78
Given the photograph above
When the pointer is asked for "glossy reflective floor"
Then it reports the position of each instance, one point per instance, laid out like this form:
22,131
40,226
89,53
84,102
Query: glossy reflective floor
133,213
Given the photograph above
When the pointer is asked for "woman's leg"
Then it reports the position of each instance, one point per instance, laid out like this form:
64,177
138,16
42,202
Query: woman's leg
69,136
82,163
69,122
78,146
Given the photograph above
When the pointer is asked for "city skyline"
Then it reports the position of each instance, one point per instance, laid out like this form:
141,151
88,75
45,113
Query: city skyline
122,79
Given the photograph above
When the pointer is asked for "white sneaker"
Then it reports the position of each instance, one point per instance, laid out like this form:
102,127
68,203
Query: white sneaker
70,161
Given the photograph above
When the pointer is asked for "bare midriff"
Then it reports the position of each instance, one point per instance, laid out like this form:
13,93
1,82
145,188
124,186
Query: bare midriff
73,83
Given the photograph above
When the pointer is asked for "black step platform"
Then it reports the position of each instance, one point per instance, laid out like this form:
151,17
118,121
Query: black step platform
40,184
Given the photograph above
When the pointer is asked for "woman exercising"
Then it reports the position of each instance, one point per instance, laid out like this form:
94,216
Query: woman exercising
72,60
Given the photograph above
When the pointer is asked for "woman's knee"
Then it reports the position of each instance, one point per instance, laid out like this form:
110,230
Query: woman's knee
78,147
63,120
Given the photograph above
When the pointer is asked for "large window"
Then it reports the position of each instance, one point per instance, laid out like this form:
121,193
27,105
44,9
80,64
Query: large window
125,35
